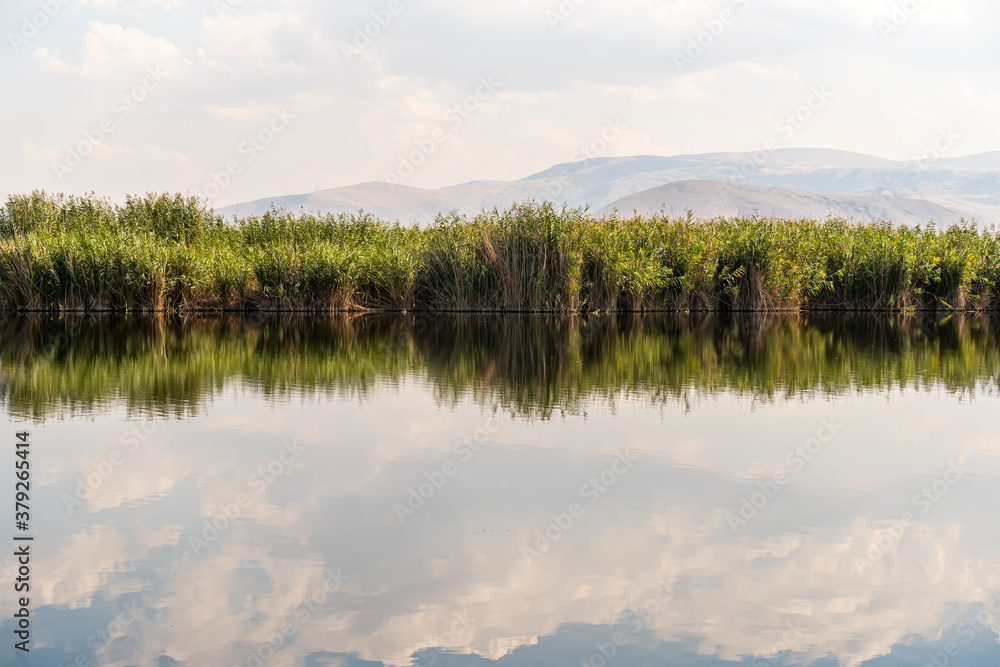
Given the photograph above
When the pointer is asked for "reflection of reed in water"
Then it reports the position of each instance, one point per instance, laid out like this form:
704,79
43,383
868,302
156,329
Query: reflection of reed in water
532,364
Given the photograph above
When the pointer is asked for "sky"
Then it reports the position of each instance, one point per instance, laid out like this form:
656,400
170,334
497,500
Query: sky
241,99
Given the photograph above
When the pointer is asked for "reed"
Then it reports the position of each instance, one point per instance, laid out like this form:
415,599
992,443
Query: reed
169,253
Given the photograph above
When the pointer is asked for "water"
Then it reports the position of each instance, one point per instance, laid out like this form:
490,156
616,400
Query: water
680,490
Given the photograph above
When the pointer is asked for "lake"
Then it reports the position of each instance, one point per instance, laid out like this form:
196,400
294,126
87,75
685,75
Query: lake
524,490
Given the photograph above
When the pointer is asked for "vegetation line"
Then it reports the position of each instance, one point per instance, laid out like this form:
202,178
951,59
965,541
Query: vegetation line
163,253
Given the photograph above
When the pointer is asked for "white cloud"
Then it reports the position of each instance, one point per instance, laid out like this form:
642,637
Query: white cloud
49,60
246,37
690,87
134,8
35,153
249,113
768,71
608,60
104,5
111,49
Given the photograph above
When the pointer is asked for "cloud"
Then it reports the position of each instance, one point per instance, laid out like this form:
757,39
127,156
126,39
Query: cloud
690,87
49,60
738,592
247,37
767,71
134,8
103,5
111,49
246,113
35,153
606,60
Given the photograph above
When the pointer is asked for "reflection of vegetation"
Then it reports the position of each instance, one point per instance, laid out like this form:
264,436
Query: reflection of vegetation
530,364
170,254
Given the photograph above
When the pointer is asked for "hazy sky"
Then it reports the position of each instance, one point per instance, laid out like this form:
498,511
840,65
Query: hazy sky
125,96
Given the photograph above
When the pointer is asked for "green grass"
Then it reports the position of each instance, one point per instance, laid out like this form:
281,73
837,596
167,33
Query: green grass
168,253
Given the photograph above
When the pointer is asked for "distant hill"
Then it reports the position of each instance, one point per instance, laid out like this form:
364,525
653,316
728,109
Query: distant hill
709,199
390,202
964,186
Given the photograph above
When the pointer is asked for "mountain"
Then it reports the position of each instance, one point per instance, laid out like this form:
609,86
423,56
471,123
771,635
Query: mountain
967,185
389,202
710,199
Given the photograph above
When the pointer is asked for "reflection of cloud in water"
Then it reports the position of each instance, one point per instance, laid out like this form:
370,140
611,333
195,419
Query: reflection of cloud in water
736,594
575,643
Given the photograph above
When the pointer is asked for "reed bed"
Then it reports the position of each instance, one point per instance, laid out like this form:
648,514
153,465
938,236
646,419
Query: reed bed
169,253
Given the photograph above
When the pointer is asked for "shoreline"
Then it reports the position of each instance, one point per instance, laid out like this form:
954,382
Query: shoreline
389,311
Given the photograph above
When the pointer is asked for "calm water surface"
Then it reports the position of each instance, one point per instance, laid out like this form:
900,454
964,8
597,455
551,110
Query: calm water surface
525,491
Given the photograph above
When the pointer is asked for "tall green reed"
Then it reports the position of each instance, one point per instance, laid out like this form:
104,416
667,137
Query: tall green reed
164,252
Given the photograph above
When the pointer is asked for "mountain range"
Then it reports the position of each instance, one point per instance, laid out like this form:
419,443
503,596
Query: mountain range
790,183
